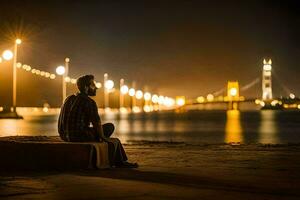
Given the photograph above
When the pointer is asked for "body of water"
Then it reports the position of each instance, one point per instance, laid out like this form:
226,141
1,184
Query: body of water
267,126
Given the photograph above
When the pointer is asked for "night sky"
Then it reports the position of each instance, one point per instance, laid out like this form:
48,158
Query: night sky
172,48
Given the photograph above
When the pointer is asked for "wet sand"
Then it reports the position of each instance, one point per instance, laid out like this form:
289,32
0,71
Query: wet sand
172,171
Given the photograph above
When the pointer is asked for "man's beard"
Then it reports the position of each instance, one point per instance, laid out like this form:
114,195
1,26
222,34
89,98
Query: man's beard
92,92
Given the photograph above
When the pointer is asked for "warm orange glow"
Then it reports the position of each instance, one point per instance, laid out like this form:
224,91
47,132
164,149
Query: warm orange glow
233,127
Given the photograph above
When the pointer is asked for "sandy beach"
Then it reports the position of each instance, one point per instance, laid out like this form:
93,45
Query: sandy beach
172,171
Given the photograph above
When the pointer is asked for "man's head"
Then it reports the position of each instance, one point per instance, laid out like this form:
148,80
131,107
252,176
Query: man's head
86,85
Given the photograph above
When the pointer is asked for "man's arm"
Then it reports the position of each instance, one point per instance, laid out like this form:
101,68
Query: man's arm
96,121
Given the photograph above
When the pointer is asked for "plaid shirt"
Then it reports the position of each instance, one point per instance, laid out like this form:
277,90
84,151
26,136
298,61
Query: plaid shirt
77,115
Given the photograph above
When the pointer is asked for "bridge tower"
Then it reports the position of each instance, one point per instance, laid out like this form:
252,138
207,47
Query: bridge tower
233,95
267,80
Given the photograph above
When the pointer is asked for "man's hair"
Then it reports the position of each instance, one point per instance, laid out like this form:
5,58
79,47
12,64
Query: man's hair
84,81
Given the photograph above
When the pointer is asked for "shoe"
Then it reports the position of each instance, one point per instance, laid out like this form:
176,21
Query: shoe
127,165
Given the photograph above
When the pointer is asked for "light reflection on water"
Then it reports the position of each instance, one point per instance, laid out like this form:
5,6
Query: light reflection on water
192,127
268,128
233,129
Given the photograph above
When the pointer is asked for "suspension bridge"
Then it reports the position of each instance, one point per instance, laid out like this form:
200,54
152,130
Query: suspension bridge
233,96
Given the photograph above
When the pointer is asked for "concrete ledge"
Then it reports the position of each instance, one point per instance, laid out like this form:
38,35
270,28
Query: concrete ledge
51,155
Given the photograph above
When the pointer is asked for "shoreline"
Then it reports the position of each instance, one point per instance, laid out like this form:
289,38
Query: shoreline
172,171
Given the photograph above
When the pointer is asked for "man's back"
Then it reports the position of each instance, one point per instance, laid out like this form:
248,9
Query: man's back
77,113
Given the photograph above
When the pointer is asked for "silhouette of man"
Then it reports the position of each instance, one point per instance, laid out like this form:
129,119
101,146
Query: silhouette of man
79,121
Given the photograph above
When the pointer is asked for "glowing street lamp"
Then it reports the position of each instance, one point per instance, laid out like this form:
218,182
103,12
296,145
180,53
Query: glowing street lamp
147,96
7,55
139,94
180,101
124,89
154,98
131,92
109,85
61,70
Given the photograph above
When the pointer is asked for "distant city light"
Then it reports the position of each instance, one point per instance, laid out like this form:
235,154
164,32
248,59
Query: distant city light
60,70
7,55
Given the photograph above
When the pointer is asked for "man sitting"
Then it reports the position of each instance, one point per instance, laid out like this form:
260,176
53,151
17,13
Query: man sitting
79,121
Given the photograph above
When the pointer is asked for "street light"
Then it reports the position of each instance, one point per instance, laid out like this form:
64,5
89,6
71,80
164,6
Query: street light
7,55
123,91
108,85
147,96
139,94
60,70
131,92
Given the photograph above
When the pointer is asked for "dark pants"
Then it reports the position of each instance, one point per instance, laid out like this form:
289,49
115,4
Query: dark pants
116,151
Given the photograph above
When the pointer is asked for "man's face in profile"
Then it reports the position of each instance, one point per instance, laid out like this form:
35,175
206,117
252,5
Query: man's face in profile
92,88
